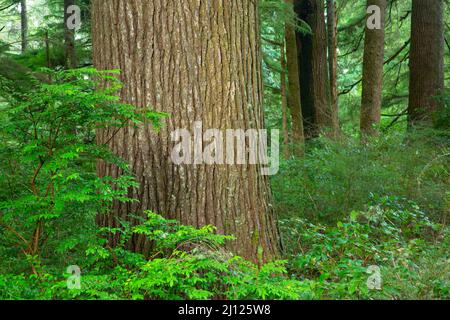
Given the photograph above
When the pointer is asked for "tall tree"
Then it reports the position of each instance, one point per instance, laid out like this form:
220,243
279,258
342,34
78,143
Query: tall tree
24,24
314,80
426,60
294,90
198,61
372,83
69,38
332,58
284,103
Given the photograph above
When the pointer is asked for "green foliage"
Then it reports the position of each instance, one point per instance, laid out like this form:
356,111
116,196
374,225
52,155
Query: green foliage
275,16
335,178
48,186
325,262
345,206
442,118
394,235
186,263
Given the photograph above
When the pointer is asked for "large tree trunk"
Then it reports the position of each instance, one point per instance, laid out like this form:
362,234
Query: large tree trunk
24,25
314,81
198,61
332,58
372,84
69,39
426,60
294,90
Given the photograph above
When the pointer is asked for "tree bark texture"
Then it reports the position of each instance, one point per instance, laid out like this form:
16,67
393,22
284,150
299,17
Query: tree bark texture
69,39
294,90
314,80
198,61
332,59
24,24
426,60
372,83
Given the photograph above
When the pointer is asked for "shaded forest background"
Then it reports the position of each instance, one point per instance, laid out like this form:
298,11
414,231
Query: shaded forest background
359,209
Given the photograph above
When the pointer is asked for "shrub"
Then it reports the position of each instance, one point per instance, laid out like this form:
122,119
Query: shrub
410,251
187,263
49,192
334,178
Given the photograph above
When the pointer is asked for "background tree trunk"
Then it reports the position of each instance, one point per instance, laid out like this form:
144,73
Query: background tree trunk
24,24
332,58
372,84
294,90
69,39
314,80
284,101
426,60
198,61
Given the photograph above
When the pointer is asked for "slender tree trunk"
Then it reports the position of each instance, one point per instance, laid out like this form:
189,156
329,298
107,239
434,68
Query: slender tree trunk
294,90
284,101
314,80
372,84
426,61
48,60
332,59
69,39
198,61
24,24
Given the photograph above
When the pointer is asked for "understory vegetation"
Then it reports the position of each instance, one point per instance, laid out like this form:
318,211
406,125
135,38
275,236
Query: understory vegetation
359,216
339,216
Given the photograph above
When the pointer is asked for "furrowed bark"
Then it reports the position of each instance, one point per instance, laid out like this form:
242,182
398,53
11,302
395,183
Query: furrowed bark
426,61
314,81
294,90
198,61
69,39
372,83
